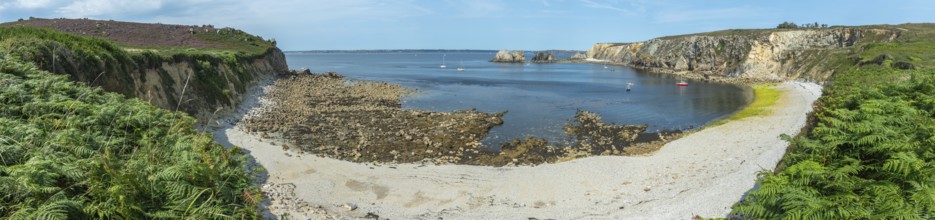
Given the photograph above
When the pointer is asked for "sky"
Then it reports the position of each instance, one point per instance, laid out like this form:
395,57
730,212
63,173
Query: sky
473,24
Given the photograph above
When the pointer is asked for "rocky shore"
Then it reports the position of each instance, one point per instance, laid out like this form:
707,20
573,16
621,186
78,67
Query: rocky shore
362,121
700,75
509,56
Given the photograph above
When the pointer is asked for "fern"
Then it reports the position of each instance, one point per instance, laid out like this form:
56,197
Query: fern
70,151
871,156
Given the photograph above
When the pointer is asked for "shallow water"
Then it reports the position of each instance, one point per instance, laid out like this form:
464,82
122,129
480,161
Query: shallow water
541,98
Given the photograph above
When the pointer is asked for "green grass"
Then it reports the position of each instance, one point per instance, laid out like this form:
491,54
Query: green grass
764,97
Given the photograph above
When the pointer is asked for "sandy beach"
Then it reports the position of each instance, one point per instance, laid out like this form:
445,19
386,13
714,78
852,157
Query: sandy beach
700,174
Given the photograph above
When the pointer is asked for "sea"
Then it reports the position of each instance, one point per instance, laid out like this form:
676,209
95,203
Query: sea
539,98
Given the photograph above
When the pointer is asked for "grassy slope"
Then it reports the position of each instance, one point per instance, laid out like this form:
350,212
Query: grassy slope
72,151
872,152
101,62
164,39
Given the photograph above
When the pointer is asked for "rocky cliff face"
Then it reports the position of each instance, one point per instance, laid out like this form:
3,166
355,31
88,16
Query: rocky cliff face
509,56
749,54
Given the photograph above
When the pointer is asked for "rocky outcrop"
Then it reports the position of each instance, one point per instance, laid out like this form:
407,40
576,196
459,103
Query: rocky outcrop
749,54
579,56
509,56
543,57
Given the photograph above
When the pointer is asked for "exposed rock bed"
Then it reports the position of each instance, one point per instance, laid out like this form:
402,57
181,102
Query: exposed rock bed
362,121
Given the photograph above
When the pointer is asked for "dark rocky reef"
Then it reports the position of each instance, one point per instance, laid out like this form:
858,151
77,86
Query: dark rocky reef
509,56
543,57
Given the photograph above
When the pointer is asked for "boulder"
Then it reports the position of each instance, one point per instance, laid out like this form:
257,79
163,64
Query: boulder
509,56
543,57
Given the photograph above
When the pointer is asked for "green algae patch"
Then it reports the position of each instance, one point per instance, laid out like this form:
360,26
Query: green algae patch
764,97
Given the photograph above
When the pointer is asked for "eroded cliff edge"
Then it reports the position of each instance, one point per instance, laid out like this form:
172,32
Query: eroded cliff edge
758,55
200,70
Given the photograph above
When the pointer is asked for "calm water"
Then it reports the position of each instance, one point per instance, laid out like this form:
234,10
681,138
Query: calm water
541,98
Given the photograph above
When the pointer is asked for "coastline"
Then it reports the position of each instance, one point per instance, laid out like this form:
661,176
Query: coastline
678,181
706,76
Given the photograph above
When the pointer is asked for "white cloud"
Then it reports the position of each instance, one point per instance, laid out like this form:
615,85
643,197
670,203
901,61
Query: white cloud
92,8
481,8
25,4
32,4
606,5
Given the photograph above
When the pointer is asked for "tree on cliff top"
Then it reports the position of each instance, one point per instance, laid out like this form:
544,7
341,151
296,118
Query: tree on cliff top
787,25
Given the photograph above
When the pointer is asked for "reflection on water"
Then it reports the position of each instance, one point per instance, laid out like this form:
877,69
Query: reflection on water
540,98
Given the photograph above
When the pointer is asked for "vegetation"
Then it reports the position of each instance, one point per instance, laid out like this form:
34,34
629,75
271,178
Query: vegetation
60,52
103,63
872,152
163,39
69,151
792,25
764,96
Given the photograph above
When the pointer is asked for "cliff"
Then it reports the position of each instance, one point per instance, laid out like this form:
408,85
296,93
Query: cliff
774,54
509,56
198,73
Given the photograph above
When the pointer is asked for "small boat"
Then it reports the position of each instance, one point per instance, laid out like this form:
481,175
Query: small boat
629,84
443,61
605,66
461,67
681,83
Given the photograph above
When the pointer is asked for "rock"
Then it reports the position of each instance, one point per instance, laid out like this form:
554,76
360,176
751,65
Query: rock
303,71
903,65
579,56
509,56
543,57
348,206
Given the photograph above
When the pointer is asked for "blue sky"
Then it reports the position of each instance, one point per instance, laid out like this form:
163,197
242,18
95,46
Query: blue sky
473,24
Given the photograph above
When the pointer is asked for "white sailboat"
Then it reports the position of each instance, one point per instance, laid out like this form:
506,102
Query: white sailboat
443,61
461,67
